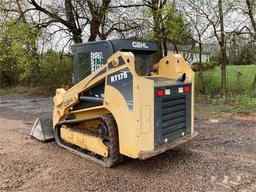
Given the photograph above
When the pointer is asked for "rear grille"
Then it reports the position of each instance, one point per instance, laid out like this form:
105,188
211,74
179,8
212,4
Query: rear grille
172,112
173,115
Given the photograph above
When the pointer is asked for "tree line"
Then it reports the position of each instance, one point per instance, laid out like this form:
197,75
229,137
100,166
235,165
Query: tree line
32,31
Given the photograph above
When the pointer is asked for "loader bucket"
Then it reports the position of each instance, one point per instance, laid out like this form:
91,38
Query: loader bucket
42,129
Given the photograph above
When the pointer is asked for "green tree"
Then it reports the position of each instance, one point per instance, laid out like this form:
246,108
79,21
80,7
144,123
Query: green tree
19,54
174,29
55,70
168,25
8,65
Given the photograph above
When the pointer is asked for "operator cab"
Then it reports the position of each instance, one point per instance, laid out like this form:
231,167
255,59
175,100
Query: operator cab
88,57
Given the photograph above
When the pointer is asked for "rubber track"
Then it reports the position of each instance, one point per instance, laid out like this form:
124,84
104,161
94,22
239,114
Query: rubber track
113,148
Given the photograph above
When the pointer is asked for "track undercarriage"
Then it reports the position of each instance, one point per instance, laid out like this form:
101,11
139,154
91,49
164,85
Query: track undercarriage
100,130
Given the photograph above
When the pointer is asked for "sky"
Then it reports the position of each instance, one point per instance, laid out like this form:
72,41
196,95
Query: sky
61,41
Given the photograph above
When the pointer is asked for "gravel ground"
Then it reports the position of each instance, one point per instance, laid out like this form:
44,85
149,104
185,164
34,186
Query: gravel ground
221,158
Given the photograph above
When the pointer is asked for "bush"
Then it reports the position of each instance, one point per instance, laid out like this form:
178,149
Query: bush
242,101
204,66
247,56
18,54
55,70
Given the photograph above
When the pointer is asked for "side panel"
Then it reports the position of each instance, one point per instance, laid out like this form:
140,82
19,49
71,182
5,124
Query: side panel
119,100
144,99
125,119
145,116
122,81
128,97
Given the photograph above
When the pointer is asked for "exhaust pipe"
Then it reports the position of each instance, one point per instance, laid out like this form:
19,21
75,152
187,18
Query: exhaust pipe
182,78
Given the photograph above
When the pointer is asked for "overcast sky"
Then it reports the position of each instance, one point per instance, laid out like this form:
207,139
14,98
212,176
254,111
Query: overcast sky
233,20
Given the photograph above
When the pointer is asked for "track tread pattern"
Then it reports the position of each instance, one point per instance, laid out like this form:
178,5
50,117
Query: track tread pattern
114,156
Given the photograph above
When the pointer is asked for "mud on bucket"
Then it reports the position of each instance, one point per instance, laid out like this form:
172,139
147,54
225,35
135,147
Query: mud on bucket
42,129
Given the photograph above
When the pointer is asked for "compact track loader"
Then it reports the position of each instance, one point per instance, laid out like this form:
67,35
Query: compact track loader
124,102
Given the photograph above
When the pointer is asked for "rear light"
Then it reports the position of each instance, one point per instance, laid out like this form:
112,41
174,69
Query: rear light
160,92
180,90
186,89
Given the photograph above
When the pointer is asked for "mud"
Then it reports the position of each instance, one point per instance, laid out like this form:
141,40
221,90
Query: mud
221,158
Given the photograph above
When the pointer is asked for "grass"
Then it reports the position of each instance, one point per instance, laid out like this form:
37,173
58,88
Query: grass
239,77
238,103
240,93
206,110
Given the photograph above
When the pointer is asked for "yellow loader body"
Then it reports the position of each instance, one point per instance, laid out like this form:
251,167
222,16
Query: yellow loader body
136,125
116,112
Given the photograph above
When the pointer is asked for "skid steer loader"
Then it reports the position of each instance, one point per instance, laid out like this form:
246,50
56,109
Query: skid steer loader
124,102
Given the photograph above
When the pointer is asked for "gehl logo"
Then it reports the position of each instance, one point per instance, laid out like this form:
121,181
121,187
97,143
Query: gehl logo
139,45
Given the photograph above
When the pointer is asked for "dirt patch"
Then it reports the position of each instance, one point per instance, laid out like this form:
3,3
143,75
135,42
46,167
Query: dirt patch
245,116
221,158
25,108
